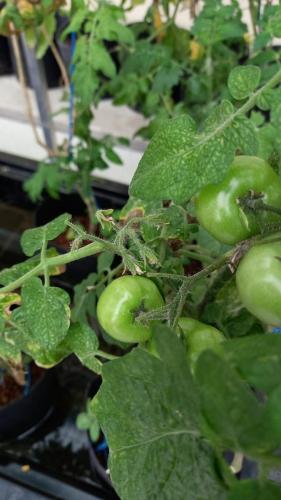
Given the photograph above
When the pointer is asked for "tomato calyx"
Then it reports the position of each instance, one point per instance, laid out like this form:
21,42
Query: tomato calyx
138,311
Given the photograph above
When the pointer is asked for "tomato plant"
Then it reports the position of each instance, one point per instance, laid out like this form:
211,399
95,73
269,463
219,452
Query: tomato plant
121,302
212,387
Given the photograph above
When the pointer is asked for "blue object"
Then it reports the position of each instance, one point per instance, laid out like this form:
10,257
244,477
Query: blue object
71,94
102,446
276,329
28,380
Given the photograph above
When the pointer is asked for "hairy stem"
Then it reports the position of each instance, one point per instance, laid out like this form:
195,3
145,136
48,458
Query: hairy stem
243,109
187,284
58,260
43,262
106,355
106,278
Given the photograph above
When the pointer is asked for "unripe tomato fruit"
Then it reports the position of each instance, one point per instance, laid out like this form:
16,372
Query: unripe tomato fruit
121,301
199,337
258,280
217,207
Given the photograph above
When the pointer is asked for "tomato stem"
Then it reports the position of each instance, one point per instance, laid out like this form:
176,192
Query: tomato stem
106,355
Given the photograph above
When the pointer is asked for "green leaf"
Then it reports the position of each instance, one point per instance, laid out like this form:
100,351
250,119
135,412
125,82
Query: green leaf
46,311
22,337
46,358
257,118
50,176
112,156
230,408
75,23
30,35
9,350
86,82
258,359
94,431
243,80
272,420
83,421
32,239
167,77
84,299
105,260
101,60
255,490
179,160
82,340
108,26
156,415
274,23
217,22
49,24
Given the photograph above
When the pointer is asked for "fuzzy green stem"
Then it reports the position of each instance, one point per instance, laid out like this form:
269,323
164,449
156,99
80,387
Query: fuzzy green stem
43,262
187,284
197,256
58,260
106,278
243,109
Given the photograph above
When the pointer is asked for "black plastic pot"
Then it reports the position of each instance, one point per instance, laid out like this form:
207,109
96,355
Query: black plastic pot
26,414
5,57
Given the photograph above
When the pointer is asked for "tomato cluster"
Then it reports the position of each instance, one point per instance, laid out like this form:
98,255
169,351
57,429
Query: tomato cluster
258,278
219,211
217,206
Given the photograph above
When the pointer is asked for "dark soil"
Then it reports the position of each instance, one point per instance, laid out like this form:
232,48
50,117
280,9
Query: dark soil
11,391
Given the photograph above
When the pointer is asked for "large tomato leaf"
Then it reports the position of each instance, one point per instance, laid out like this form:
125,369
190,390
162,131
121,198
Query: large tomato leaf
180,159
258,359
149,411
233,412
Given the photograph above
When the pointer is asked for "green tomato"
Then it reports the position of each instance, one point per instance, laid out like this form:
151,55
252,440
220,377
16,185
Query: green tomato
121,301
258,280
199,337
216,206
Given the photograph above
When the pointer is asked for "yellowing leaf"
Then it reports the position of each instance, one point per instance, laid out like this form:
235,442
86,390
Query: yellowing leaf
196,50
